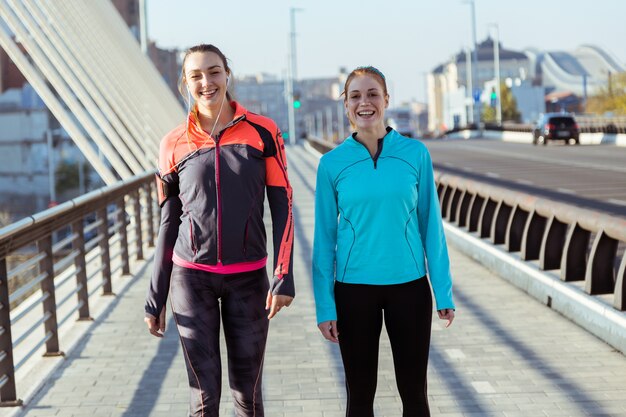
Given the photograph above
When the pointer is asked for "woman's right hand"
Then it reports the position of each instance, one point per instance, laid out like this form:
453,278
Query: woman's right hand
156,326
329,330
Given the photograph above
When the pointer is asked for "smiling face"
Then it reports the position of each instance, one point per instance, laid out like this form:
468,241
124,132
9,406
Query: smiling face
366,102
206,77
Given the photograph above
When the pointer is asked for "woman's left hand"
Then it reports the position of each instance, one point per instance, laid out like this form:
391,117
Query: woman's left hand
275,302
446,314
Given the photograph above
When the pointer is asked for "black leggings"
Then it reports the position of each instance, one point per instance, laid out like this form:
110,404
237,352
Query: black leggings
407,313
196,299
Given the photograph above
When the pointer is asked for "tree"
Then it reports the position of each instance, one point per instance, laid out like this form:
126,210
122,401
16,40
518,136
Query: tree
611,98
509,107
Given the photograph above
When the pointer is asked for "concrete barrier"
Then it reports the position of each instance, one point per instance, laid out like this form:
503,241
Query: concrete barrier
527,137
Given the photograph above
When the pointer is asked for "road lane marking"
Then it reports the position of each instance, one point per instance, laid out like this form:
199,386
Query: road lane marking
492,175
566,191
524,182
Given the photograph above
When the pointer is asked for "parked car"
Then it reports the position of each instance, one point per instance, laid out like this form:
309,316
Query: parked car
556,126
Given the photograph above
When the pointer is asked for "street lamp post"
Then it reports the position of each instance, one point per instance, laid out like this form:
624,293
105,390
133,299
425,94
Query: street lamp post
143,26
474,60
496,70
469,74
291,84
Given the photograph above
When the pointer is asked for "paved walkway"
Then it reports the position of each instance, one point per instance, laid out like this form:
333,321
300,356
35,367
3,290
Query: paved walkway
505,355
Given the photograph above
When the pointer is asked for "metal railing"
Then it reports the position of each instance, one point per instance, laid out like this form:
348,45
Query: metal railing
65,256
584,245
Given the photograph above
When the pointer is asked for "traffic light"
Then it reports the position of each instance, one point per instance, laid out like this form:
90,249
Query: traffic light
296,100
493,97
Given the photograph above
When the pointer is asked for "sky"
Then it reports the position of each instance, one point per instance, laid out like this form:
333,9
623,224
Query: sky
405,39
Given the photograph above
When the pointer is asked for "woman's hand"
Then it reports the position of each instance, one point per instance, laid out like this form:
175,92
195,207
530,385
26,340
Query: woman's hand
275,302
446,314
156,326
329,330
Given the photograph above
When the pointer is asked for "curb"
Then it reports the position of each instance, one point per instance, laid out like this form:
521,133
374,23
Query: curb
591,313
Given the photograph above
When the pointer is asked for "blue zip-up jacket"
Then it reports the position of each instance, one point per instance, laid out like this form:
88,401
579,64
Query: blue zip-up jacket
377,220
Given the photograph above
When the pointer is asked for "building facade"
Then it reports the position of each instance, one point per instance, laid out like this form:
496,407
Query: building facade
450,101
538,80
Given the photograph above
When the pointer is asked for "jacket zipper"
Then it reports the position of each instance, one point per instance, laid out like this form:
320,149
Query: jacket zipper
379,150
218,200
218,185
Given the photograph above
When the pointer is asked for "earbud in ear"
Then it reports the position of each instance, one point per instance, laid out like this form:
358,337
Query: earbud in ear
189,99
227,80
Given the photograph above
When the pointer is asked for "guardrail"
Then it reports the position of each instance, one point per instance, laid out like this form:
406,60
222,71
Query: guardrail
585,245
71,251
555,234
586,123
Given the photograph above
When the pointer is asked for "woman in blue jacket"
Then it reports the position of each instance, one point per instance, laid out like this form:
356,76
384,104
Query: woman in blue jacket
377,222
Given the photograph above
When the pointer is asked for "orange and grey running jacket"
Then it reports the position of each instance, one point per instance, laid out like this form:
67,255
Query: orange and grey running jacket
211,192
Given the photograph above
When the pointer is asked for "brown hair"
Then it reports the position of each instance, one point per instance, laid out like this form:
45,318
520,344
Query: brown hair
203,47
369,70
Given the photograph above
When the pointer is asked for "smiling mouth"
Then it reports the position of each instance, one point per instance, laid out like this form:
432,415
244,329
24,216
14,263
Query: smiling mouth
208,93
365,113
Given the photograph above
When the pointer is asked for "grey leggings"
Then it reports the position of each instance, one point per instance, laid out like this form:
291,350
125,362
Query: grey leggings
198,300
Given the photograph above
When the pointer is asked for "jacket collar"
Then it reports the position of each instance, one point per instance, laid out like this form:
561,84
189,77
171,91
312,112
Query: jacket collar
193,122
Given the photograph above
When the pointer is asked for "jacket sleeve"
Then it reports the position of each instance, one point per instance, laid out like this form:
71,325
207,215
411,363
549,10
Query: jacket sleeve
324,245
171,211
160,280
432,235
279,196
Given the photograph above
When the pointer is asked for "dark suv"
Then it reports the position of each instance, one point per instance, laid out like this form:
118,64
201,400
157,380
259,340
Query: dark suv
556,126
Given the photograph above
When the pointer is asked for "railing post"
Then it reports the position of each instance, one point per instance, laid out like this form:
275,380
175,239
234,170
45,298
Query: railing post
473,215
138,225
574,261
105,254
533,236
46,265
8,395
452,205
121,221
552,244
499,225
515,229
486,217
150,212
78,244
599,278
445,198
619,297
463,208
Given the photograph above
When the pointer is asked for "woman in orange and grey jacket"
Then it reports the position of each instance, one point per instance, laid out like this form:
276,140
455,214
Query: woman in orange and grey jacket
211,253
